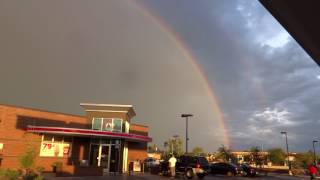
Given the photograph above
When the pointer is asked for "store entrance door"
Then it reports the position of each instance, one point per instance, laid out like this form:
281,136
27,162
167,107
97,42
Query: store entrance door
100,156
105,158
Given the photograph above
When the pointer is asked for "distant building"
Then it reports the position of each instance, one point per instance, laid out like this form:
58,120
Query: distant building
103,141
155,155
246,156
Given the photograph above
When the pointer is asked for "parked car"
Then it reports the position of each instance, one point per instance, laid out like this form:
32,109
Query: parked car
149,162
192,165
228,169
248,170
162,168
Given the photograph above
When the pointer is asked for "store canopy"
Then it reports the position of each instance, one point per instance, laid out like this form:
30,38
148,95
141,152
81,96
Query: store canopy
118,108
87,133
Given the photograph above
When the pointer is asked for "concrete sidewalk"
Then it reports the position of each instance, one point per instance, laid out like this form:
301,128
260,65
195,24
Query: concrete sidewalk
135,176
287,175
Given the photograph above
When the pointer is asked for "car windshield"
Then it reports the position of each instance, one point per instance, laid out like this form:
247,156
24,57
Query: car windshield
232,164
203,161
245,165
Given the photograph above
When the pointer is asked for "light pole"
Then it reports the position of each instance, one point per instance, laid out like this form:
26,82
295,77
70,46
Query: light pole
289,164
314,153
187,138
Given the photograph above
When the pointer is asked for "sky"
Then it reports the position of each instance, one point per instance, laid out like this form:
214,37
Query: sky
161,56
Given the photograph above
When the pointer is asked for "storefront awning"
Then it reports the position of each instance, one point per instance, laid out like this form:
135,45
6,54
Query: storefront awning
86,132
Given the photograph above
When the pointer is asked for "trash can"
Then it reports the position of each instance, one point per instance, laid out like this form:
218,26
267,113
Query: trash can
130,169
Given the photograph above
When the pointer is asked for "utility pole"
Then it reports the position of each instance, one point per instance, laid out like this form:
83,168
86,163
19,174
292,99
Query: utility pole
187,138
314,152
289,164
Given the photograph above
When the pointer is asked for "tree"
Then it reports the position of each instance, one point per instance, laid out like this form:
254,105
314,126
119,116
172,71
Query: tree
198,151
27,160
175,146
302,160
226,155
277,156
153,148
256,156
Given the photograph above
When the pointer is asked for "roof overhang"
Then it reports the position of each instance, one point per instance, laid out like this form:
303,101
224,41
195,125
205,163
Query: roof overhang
87,133
301,20
115,108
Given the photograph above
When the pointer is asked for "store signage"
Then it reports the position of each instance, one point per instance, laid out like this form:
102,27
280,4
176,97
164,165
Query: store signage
50,149
107,124
1,146
47,149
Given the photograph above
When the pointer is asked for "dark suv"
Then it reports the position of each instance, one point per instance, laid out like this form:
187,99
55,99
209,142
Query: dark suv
228,169
193,165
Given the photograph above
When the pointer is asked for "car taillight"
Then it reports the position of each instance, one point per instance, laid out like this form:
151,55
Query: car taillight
198,165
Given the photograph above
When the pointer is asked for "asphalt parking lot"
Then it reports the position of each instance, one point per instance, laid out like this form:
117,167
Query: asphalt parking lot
151,177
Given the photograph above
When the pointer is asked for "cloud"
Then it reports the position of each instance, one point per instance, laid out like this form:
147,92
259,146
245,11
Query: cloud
272,116
264,81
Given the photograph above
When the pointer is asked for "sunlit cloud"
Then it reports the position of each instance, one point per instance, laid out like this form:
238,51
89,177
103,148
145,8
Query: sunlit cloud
273,116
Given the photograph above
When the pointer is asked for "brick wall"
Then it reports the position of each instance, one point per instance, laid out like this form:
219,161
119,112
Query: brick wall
13,121
137,150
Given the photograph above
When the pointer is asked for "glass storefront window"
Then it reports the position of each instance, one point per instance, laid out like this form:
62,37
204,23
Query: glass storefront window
55,146
96,123
48,138
117,125
107,124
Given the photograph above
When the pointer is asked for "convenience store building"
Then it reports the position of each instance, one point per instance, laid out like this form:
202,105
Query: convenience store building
102,141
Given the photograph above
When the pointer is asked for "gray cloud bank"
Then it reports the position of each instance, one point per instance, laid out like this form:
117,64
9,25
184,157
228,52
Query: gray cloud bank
57,54
264,81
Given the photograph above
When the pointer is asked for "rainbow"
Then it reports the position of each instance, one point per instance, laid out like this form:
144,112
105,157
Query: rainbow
187,52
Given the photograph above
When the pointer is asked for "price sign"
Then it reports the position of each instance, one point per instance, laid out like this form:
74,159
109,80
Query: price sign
47,149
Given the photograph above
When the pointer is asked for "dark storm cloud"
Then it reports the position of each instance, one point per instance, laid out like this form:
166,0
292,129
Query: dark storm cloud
264,81
55,55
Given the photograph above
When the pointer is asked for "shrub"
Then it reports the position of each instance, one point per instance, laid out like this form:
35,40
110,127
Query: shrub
9,174
39,178
27,159
298,171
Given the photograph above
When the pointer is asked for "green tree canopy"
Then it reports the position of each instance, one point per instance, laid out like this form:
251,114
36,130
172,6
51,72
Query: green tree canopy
198,151
27,159
302,160
173,145
256,156
153,148
226,155
277,156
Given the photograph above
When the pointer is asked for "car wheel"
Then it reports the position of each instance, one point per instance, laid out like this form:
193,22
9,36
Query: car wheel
229,173
201,176
189,174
